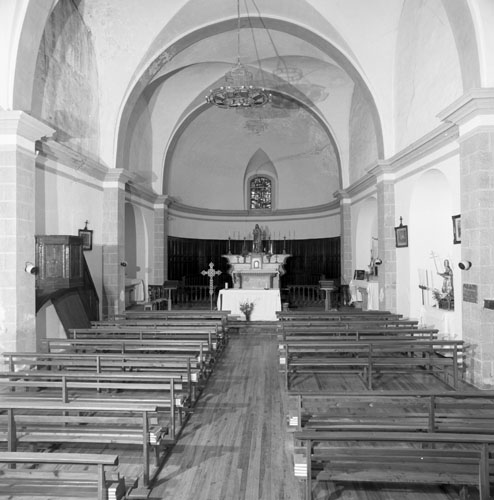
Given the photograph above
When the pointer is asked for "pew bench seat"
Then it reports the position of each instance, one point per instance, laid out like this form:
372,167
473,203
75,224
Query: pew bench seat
451,411
388,457
191,348
369,357
179,367
36,422
66,475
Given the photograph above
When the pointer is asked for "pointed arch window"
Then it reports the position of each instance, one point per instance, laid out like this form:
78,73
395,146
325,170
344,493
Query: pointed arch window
261,193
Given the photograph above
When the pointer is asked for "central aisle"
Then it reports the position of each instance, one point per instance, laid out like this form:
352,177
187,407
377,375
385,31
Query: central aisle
235,445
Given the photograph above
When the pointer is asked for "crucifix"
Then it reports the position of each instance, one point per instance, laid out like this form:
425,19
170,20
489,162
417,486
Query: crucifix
211,273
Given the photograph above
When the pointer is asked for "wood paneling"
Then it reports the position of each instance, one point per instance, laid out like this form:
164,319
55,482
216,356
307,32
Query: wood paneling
311,259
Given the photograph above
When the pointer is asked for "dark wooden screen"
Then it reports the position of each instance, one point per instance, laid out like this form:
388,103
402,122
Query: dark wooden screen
311,259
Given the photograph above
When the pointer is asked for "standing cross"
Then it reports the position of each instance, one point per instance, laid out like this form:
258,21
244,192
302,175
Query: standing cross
211,273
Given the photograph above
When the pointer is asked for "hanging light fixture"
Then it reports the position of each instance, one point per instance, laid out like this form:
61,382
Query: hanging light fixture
240,90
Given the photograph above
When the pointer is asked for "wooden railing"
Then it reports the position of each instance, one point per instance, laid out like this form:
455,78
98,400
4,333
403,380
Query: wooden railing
183,295
305,295
296,295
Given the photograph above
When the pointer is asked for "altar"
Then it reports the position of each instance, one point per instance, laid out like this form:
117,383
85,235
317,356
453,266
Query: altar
256,270
256,278
266,303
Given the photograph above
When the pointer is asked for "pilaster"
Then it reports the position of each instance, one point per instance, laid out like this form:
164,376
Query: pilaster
113,240
346,236
18,135
385,185
161,224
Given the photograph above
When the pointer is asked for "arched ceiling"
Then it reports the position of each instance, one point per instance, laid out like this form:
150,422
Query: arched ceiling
307,75
154,62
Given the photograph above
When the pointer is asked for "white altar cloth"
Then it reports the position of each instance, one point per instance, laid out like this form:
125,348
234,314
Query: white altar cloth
266,302
372,289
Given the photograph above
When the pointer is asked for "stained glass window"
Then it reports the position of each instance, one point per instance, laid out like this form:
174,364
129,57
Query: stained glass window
260,192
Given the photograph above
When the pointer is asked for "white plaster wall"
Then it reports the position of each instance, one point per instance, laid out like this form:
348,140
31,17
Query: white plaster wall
48,325
208,165
66,80
364,214
483,18
427,201
63,204
427,72
139,240
10,29
362,138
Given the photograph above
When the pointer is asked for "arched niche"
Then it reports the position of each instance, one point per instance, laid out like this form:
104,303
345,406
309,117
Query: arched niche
430,233
136,246
366,233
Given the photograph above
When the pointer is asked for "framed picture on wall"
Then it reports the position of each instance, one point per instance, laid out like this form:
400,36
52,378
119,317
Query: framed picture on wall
456,229
87,238
401,235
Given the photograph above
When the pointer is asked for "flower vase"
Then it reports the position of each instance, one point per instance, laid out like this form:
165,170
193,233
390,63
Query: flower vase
247,316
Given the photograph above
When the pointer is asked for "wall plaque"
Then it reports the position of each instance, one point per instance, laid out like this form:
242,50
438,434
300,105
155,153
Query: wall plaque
470,293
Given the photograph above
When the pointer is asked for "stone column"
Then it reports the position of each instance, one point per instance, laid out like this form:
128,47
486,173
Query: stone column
18,134
160,266
385,232
474,115
113,240
345,236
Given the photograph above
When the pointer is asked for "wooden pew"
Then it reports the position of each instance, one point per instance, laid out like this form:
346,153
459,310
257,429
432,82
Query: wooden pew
209,335
198,349
185,368
367,357
437,411
349,324
130,423
177,314
121,388
217,332
429,458
91,480
314,333
336,315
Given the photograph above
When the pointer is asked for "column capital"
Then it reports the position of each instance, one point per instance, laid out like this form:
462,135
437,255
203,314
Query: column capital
118,177
163,201
19,123
382,171
342,196
474,109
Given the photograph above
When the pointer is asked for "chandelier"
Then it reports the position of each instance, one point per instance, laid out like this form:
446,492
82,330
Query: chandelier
239,90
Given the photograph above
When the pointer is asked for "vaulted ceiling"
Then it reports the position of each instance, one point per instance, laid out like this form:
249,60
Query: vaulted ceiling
353,81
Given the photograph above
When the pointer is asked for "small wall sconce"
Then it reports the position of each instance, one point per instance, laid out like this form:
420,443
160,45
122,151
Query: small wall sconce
464,265
30,268
123,263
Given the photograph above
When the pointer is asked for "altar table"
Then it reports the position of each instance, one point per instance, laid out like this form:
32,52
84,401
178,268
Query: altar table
266,302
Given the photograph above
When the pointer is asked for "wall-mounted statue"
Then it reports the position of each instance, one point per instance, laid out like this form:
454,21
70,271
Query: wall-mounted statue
257,239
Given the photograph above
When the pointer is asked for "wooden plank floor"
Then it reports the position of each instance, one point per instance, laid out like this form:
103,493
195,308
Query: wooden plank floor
236,445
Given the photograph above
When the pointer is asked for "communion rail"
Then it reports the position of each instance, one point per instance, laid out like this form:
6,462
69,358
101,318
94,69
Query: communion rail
295,295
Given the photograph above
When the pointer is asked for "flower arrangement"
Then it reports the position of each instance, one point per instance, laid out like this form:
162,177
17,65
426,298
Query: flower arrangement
247,308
